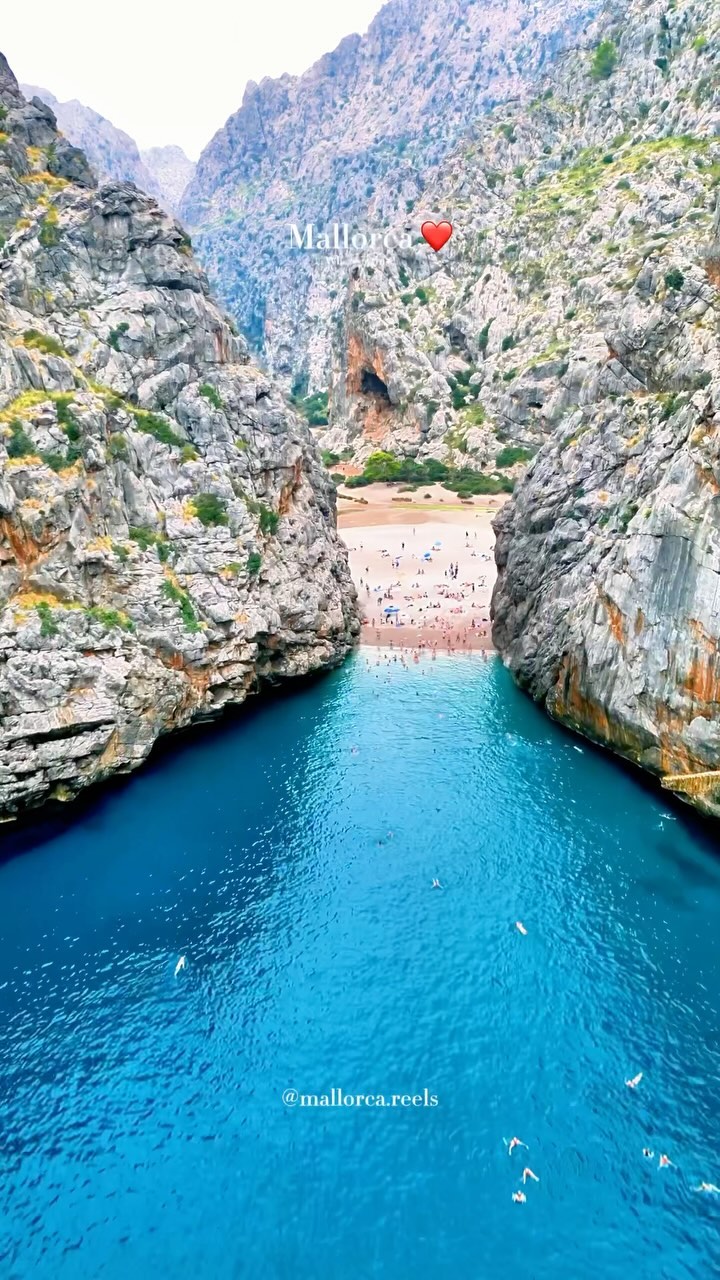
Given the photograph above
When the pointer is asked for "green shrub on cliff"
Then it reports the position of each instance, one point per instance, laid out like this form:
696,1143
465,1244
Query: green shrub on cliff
153,425
19,445
212,395
110,618
48,625
49,235
604,60
209,509
117,447
116,334
184,604
269,520
314,408
483,337
41,342
512,454
144,536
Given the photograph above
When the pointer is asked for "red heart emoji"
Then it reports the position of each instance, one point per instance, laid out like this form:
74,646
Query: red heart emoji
436,233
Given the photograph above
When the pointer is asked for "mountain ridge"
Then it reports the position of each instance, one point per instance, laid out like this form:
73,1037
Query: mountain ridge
114,155
352,139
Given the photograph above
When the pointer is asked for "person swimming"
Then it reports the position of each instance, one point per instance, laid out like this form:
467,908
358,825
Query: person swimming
528,1173
181,964
665,1163
648,1154
515,1142
519,1197
633,1084
708,1186
436,884
521,928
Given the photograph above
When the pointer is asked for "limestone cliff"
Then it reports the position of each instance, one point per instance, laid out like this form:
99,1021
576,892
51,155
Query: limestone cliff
572,323
355,140
172,172
112,154
162,172
168,540
607,604
565,209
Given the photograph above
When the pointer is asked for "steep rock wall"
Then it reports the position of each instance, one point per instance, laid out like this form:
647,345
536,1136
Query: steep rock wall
168,540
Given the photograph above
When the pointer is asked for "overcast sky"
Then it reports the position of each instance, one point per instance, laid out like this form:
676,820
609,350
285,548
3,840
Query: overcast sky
167,70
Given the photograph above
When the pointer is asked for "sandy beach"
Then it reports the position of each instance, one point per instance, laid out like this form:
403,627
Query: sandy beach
429,560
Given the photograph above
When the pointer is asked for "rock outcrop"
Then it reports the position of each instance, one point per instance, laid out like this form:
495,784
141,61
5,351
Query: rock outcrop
168,541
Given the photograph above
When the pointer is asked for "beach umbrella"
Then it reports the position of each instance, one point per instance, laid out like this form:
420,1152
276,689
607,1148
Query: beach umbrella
427,556
391,608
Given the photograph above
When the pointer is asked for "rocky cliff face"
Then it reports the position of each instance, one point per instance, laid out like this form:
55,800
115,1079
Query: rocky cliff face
168,540
356,139
172,171
607,605
112,154
162,172
566,210
572,323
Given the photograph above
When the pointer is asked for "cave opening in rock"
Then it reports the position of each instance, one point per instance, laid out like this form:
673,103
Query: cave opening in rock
371,385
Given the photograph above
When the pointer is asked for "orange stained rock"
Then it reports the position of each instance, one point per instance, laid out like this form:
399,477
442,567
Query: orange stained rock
702,680
26,549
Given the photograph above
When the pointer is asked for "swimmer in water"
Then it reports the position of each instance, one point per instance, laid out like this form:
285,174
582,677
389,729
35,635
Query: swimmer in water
648,1154
521,928
633,1084
180,965
519,1197
436,884
665,1163
528,1173
515,1142
708,1186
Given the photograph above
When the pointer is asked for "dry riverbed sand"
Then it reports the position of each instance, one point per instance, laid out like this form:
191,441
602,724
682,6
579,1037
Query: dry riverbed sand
389,543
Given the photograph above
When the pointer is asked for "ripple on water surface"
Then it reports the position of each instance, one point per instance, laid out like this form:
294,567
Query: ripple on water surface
290,855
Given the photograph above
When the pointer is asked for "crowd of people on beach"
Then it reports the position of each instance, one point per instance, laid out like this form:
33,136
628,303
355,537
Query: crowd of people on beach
426,608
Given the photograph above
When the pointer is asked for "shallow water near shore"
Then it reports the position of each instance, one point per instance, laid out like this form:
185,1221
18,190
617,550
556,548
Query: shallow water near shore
290,855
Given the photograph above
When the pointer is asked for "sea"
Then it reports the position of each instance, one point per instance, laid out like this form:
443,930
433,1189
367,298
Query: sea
329,1085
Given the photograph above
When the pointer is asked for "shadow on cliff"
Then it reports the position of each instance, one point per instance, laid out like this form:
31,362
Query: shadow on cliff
38,827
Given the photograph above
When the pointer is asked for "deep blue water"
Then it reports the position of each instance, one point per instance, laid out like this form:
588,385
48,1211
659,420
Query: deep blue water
142,1127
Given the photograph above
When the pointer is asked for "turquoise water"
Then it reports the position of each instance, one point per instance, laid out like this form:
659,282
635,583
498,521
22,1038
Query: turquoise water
143,1131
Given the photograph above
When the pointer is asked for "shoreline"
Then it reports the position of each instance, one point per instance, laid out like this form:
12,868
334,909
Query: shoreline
421,640
424,570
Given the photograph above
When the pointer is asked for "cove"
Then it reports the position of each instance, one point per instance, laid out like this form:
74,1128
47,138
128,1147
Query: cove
141,1115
